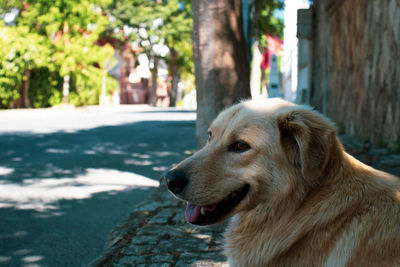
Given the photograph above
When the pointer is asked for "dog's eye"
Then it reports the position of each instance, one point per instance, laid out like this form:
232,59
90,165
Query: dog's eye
209,133
239,147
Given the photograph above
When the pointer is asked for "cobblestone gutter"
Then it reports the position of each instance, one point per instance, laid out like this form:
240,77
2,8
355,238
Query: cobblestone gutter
156,234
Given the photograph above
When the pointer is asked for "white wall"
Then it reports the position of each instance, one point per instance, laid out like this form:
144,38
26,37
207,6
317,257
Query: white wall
290,43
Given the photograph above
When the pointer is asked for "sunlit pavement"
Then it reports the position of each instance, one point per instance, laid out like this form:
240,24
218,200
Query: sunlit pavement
68,176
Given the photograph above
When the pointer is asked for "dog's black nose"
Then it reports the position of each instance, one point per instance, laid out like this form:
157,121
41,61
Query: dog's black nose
176,181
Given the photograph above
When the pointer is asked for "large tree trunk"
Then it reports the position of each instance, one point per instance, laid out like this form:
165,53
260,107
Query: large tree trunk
173,66
221,65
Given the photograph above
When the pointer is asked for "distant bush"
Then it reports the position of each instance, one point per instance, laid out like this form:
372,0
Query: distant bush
45,88
86,87
10,82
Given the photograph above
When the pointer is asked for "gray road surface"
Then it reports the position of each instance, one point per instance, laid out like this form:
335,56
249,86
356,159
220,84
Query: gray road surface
68,176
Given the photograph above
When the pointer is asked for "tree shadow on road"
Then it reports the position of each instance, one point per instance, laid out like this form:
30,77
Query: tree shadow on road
72,188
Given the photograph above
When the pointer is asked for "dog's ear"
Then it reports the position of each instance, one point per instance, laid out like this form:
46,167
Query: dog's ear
308,139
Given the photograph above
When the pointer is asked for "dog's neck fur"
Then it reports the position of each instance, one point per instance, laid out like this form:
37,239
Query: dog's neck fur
268,235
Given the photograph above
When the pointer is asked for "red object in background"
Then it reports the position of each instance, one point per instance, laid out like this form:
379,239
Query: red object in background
274,46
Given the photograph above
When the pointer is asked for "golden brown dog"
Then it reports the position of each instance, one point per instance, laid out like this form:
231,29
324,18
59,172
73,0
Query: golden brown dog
296,197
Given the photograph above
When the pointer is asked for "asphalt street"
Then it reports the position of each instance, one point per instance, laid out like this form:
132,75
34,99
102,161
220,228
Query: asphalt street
67,177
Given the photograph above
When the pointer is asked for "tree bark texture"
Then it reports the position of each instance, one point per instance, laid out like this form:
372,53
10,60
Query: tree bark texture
25,89
174,71
23,100
154,80
356,69
221,66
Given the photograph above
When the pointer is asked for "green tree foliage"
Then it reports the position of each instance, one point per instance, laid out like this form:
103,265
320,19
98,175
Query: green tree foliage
264,21
16,55
177,33
65,32
151,23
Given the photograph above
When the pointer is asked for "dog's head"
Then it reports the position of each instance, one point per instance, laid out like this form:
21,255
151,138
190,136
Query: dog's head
258,151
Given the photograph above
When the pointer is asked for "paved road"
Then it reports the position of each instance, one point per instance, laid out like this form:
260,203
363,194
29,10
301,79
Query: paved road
67,177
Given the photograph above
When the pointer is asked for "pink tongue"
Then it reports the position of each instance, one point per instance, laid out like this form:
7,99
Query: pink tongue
192,213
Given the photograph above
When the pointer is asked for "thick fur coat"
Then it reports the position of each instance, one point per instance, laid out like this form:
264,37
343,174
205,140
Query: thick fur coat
296,198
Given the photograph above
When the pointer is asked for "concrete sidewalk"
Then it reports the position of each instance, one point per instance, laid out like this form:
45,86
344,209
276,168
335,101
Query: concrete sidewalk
156,234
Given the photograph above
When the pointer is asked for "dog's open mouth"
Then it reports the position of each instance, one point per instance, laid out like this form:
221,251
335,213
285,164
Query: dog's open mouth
203,215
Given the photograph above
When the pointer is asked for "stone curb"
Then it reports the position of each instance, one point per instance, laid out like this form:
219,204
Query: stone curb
156,234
